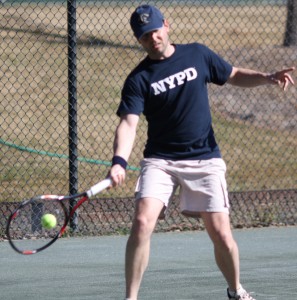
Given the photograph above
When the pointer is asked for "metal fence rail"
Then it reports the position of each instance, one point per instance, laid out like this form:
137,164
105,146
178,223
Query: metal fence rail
256,128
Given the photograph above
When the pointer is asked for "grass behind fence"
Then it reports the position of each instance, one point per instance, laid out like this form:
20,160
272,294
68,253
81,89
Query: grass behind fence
34,95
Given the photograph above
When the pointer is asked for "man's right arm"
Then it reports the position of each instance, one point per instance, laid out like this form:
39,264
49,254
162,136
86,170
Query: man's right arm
123,143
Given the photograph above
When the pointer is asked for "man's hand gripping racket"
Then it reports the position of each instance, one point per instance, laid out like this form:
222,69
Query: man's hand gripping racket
27,230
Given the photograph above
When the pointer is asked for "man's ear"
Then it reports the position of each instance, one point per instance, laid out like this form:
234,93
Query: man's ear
166,25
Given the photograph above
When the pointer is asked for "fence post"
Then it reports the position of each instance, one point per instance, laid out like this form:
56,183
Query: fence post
72,106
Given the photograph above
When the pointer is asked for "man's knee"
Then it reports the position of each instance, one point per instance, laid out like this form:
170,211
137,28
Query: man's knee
224,241
142,227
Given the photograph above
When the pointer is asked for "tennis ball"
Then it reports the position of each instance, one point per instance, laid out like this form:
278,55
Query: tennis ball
48,221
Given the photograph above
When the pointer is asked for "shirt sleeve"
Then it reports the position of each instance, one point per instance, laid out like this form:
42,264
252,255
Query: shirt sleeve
132,101
219,69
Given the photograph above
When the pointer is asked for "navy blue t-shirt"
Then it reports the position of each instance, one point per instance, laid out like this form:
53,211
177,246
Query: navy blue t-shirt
172,94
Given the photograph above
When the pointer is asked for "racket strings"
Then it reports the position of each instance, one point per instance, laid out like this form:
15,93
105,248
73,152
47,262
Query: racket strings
26,225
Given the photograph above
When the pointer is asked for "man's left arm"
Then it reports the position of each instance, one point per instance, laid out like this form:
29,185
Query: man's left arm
250,78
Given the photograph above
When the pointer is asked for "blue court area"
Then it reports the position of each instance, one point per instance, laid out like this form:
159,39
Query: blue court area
181,267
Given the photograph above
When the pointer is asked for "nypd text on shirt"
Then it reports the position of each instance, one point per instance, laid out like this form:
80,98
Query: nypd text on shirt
174,80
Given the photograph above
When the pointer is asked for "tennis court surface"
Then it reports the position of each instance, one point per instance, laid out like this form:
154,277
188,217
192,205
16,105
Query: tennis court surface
181,267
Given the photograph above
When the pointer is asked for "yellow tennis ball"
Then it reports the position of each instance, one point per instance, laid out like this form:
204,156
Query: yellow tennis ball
48,221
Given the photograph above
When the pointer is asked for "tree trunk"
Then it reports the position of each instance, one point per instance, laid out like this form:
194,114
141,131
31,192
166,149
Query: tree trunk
291,26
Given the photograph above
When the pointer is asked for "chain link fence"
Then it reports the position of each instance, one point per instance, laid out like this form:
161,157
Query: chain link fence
256,128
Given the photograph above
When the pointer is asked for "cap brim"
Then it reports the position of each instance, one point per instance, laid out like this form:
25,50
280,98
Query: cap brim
150,30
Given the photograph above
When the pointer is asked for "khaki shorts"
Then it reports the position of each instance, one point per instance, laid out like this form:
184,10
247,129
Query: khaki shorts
202,184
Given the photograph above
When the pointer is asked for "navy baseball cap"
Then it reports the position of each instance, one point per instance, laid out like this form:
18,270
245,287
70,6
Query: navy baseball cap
144,19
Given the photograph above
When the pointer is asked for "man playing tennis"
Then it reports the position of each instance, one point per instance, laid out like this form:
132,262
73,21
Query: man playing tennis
169,87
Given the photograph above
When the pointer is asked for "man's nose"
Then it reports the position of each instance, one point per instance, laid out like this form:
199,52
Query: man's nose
153,35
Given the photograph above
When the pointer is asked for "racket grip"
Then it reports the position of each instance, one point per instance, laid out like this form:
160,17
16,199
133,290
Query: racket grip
100,186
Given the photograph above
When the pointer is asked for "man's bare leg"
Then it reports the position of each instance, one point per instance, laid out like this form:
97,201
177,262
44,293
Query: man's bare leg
138,245
225,247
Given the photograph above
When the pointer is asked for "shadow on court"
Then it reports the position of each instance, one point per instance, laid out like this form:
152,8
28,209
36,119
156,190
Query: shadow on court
181,267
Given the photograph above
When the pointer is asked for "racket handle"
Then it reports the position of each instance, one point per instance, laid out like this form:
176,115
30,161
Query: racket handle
100,186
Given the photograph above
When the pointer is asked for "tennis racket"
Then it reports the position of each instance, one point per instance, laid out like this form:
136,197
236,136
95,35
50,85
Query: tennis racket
25,231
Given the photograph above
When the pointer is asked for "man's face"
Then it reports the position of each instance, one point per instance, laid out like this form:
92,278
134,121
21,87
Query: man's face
156,42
